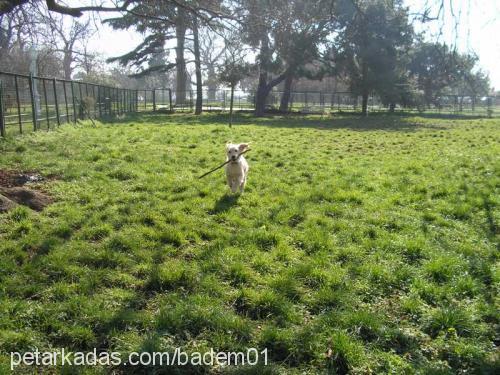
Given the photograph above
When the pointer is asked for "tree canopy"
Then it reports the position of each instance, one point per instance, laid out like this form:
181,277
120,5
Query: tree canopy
368,47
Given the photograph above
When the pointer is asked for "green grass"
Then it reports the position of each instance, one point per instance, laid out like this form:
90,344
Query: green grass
361,245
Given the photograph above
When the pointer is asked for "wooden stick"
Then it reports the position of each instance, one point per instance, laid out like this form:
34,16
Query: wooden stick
223,164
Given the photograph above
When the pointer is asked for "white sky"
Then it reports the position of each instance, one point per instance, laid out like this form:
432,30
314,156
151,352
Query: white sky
478,31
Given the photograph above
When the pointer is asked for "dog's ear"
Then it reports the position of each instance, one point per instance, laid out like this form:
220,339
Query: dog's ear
242,146
228,144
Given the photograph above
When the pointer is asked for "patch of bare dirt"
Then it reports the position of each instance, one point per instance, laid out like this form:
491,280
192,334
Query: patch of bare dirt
13,190
10,178
27,197
6,204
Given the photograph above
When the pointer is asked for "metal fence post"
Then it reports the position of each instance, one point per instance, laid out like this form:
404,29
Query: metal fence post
110,102
74,104
46,103
33,103
2,121
20,118
170,100
95,100
99,100
121,106
56,102
66,101
80,90
154,100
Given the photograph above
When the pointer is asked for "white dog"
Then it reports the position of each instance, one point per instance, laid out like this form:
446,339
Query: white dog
237,168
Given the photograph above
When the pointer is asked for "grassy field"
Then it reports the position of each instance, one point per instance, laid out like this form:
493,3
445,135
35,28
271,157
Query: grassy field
360,245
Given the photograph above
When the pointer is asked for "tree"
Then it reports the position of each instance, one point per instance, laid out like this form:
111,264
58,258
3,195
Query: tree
162,21
8,6
197,63
67,38
271,27
440,70
210,56
466,80
432,64
156,21
232,71
374,36
180,36
22,32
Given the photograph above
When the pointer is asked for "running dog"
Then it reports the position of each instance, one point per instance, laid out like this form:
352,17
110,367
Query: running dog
237,168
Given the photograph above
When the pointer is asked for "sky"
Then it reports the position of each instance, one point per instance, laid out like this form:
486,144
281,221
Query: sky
478,31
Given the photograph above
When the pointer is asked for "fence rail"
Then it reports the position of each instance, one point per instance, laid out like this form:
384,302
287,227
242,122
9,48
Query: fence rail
30,103
332,102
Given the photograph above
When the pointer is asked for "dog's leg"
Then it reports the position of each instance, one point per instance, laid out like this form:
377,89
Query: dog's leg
242,185
234,186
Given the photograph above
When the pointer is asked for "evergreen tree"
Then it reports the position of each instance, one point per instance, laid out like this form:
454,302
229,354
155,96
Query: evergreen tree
374,36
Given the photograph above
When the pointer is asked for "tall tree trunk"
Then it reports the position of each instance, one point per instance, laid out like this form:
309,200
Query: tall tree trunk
197,63
262,90
265,87
364,98
231,103
67,59
364,103
287,89
181,74
211,82
261,95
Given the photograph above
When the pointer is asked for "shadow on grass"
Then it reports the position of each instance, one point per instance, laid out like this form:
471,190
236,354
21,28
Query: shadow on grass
225,203
441,116
403,122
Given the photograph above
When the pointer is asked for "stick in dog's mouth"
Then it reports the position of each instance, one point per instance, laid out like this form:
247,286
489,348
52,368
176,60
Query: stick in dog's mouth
223,164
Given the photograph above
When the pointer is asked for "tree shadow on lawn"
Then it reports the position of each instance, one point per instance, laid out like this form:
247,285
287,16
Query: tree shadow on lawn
408,122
